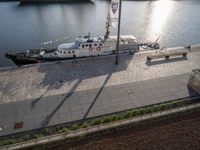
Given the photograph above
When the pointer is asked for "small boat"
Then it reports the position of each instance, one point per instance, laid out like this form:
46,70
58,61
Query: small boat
85,46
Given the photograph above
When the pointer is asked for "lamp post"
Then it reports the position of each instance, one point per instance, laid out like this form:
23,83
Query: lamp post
118,34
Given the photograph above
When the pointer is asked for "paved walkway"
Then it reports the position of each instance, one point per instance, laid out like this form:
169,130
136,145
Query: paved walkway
90,130
73,106
59,78
48,94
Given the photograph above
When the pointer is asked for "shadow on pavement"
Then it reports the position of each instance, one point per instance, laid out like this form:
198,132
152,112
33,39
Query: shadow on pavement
56,75
45,122
97,95
84,69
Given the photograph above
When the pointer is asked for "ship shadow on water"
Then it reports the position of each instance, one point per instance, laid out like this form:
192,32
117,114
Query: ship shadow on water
59,74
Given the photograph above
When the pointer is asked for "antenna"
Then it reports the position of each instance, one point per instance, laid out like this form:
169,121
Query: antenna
157,39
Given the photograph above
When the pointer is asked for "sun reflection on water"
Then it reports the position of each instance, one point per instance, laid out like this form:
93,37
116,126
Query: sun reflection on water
159,16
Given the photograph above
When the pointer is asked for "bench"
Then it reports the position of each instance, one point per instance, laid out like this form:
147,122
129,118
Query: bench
167,54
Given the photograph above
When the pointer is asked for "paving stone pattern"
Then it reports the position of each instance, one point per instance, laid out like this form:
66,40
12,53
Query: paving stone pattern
49,94
52,110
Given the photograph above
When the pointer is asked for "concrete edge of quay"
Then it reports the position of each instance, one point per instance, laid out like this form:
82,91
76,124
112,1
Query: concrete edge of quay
193,48
99,128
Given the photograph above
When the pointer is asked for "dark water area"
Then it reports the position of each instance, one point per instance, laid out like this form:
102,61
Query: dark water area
25,27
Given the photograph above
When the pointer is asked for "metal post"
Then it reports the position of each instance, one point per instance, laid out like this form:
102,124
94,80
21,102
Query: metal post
118,33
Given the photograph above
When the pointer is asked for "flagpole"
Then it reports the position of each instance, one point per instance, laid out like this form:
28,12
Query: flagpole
118,34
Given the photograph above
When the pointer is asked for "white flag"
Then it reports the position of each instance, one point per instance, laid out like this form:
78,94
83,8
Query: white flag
114,12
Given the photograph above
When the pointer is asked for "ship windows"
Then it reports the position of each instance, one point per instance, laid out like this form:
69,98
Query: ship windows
69,52
64,52
101,45
83,45
72,51
95,44
86,45
90,45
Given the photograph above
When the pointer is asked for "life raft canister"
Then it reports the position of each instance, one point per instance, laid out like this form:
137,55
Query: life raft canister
98,48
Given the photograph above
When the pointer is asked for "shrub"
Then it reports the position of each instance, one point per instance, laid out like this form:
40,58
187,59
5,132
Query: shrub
147,110
74,127
114,118
64,130
140,111
107,119
162,107
128,114
7,142
153,109
84,125
57,129
46,131
135,112
36,136
96,122
174,105
26,137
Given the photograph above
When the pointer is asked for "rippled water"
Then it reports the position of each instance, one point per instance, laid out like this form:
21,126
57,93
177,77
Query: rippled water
29,26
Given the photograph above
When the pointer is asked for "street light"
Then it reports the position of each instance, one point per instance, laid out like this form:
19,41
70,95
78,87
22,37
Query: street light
118,34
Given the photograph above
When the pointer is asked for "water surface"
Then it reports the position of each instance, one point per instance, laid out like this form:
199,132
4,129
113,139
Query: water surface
25,27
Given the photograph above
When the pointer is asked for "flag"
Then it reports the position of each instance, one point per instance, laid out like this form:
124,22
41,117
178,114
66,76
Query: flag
114,12
107,27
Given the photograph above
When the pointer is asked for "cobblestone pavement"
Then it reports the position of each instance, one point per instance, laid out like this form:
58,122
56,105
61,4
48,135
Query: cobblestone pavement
49,94
59,78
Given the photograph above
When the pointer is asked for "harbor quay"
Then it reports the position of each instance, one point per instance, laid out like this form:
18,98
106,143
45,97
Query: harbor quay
41,95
